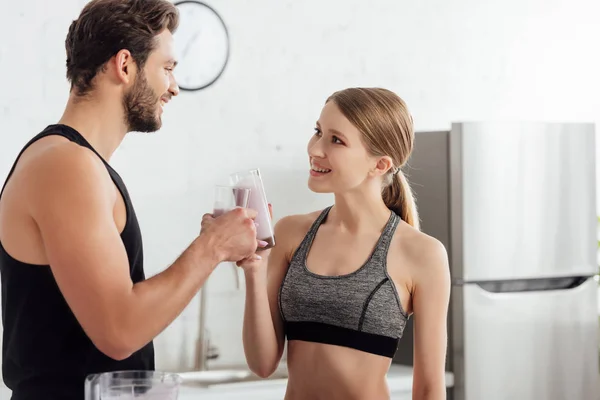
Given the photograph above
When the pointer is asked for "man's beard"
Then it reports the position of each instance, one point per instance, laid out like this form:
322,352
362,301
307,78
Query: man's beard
140,105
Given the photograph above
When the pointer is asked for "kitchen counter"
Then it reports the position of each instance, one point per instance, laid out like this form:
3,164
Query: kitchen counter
399,381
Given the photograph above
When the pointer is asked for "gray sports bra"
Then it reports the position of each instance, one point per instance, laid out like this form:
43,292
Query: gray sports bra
360,310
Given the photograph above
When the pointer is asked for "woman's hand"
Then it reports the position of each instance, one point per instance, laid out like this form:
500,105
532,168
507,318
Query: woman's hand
258,259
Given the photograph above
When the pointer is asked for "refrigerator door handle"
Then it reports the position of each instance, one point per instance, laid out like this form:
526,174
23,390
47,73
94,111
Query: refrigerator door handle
531,285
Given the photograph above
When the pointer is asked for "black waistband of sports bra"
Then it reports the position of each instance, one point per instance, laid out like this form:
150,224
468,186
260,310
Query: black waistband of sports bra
330,334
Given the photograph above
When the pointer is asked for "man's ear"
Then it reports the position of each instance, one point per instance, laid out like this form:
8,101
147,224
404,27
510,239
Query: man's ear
125,67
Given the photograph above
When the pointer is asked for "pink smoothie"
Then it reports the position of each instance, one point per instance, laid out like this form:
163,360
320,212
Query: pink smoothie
257,201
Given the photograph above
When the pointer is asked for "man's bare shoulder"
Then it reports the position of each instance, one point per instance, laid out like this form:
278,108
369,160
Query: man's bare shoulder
56,169
61,153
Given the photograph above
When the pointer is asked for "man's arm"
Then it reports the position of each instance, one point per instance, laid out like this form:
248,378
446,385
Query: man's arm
72,200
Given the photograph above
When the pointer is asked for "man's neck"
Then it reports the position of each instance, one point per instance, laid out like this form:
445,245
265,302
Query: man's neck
100,122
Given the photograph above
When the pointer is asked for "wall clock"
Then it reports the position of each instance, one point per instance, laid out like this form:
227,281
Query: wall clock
201,45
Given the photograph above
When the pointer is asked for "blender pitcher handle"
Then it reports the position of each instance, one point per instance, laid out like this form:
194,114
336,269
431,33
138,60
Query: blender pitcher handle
92,387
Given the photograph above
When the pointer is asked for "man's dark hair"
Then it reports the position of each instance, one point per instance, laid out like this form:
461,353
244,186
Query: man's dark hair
105,27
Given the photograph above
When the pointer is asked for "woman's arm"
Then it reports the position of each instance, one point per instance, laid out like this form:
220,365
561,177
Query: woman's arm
263,334
430,300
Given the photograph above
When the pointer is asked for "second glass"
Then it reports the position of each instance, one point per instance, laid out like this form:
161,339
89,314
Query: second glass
229,197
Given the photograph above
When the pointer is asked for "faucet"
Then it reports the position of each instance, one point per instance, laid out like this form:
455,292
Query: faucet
204,350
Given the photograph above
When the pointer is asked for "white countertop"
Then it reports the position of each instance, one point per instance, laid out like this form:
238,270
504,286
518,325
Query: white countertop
399,381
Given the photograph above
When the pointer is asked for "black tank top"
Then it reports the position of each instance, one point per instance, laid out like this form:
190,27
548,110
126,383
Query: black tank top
46,354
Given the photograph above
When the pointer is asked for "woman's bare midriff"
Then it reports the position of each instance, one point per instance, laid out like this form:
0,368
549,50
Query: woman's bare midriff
326,372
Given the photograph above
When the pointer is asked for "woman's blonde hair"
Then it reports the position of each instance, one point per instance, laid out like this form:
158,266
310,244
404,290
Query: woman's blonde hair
387,128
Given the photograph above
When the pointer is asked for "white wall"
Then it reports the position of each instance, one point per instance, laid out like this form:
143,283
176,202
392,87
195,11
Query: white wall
450,60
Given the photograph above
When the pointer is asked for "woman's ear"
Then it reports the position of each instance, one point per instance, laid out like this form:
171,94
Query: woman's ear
383,166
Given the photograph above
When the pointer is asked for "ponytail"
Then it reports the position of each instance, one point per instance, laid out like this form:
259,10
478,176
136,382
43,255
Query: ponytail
398,197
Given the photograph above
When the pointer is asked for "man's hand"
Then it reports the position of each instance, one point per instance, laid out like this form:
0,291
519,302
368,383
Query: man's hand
233,234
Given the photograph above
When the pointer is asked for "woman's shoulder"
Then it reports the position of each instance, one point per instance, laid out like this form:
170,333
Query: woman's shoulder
291,229
296,223
424,254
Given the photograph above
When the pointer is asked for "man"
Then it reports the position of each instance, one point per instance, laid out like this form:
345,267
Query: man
75,300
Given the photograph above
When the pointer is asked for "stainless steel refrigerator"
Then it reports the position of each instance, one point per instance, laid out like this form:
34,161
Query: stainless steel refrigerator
515,206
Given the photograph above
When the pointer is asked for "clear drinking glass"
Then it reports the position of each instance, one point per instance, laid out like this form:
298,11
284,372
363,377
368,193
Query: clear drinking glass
132,385
258,201
226,199
229,197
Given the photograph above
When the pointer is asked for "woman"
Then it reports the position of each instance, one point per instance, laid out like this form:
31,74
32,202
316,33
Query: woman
341,283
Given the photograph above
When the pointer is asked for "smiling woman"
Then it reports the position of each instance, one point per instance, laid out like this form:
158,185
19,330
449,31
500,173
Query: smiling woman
342,282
